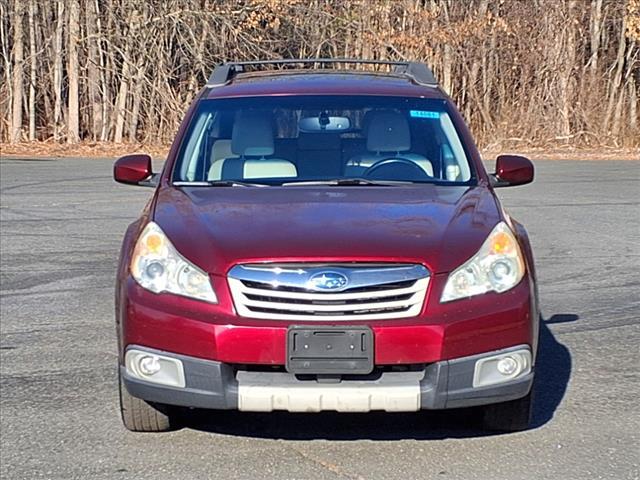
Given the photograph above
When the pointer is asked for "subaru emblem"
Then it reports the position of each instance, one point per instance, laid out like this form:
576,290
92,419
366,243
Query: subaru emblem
328,281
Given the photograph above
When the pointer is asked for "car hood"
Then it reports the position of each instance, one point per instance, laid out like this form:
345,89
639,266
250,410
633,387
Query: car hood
217,227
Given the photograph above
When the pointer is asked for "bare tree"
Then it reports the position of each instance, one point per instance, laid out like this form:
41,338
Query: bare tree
595,28
6,87
18,71
73,121
32,71
125,78
57,70
93,68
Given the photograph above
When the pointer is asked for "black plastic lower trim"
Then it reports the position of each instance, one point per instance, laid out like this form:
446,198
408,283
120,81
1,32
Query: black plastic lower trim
212,385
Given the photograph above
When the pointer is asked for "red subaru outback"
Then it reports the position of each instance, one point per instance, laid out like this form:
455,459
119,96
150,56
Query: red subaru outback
325,239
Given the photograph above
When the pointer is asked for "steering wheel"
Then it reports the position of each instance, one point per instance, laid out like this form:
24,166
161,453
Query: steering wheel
387,169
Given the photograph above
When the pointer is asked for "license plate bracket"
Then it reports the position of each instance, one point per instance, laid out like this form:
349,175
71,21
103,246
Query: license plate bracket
330,350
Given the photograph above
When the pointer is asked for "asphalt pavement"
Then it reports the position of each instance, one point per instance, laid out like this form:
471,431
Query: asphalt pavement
61,224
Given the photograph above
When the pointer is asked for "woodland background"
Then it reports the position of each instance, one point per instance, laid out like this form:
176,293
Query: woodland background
524,72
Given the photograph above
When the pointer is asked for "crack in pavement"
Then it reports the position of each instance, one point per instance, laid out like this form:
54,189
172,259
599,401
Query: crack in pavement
331,467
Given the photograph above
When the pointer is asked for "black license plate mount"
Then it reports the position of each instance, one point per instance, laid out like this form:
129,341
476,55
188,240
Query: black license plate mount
329,350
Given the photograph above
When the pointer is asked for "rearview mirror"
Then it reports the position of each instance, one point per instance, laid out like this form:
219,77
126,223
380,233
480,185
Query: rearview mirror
512,170
133,170
323,123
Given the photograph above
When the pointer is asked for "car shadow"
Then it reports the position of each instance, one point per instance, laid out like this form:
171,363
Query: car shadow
553,371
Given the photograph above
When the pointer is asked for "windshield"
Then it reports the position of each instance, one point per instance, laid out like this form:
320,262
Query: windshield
340,140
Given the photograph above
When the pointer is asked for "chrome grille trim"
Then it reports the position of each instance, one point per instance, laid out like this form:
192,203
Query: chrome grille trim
285,291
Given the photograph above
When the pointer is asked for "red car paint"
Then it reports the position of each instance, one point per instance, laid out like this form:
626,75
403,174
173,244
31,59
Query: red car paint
438,226
132,169
517,169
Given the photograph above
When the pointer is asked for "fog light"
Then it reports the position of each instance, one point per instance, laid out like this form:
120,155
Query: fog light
149,364
155,368
507,366
502,367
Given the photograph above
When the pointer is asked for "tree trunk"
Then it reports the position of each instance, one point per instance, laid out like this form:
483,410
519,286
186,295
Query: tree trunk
447,58
93,74
125,79
57,72
5,128
121,99
617,77
32,72
628,76
475,66
137,99
595,28
633,105
73,117
18,70
566,80
104,97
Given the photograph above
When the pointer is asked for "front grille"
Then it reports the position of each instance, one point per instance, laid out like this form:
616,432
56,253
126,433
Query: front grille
287,292
371,288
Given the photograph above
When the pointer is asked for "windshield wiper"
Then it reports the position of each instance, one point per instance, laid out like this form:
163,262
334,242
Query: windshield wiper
218,183
347,182
341,182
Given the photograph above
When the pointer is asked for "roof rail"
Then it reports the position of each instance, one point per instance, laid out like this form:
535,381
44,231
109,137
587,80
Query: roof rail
418,72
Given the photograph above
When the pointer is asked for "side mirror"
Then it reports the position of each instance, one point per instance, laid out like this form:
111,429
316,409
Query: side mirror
134,170
512,170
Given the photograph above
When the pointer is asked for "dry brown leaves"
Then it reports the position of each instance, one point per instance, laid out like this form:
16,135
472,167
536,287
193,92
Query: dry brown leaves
83,149
568,153
633,20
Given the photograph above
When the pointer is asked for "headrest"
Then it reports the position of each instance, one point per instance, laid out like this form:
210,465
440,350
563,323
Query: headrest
388,132
221,149
366,120
252,135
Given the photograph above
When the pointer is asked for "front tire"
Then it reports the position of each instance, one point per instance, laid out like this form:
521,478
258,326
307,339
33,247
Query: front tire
512,416
139,416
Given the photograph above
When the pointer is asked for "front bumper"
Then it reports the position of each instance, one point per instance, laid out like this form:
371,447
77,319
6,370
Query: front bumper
440,385
443,331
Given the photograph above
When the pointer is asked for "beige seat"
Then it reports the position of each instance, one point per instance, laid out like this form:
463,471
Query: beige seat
388,136
221,149
251,143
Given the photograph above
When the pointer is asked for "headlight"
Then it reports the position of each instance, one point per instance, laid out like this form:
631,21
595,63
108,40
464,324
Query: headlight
157,266
497,267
